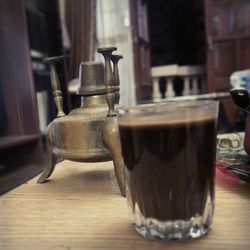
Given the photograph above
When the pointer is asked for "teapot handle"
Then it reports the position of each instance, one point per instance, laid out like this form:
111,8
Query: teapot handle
109,79
116,81
56,84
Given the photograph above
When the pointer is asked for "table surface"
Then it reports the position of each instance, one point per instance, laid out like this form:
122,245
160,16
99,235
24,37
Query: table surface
80,208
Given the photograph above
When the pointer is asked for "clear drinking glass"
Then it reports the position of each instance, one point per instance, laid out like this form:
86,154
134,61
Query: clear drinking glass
169,151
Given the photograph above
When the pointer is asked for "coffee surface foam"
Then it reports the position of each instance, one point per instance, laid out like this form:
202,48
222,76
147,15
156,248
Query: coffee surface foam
165,120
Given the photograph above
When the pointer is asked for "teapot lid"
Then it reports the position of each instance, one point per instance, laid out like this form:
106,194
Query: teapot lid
91,79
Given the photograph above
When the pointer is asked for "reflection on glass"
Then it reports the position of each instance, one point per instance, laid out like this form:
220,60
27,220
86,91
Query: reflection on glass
223,21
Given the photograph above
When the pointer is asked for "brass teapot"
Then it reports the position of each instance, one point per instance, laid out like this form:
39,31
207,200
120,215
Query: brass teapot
88,133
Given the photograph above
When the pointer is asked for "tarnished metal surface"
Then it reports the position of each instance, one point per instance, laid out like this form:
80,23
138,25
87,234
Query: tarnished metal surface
90,132
116,81
56,84
91,79
109,79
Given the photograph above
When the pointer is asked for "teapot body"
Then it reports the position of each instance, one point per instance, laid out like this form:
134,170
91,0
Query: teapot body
78,136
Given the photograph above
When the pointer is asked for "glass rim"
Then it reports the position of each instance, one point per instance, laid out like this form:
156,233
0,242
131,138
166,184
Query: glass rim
168,104
168,113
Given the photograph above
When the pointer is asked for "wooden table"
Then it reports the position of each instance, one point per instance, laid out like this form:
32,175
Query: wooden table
81,208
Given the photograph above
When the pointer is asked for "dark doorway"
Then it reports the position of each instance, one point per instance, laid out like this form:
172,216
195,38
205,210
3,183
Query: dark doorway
176,31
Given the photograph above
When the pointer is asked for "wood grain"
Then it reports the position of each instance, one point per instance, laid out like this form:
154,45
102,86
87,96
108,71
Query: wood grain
16,78
20,139
81,208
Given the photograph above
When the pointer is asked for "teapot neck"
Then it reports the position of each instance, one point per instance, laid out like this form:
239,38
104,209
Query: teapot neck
93,100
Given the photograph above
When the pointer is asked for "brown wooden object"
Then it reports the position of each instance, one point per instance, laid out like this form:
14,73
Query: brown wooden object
20,142
228,45
140,39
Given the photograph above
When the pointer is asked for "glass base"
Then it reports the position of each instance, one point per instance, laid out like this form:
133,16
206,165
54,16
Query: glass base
152,228
175,230
193,225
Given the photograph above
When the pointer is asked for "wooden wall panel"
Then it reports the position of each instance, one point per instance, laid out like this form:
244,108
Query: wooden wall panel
17,89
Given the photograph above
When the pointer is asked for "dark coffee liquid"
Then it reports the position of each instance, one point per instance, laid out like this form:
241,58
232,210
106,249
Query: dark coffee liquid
170,166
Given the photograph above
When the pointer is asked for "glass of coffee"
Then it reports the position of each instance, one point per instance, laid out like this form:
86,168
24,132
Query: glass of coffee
169,152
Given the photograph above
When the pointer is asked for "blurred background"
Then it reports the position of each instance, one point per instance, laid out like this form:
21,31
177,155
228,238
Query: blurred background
170,48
